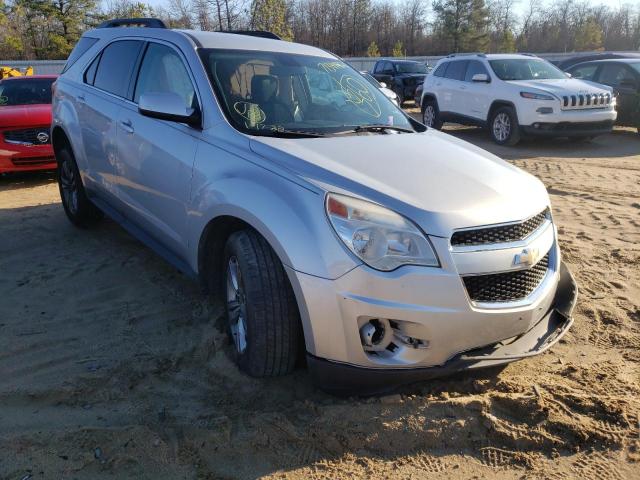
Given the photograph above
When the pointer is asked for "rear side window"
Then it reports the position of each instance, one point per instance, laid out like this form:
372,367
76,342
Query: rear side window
84,44
456,70
586,72
473,68
90,74
116,66
440,71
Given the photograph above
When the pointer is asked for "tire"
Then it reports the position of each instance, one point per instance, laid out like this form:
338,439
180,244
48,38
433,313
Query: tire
79,209
262,315
401,98
504,127
431,114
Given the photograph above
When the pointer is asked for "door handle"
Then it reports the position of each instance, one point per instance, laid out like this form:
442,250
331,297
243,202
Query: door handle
81,98
127,126
463,87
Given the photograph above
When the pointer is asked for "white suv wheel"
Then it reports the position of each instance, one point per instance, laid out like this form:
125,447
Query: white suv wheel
502,126
429,115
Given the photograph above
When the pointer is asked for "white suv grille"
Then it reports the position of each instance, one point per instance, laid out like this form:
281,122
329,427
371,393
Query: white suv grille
584,101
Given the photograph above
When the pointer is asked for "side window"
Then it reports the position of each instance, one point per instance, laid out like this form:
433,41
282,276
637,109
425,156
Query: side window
116,66
84,44
90,73
456,70
378,68
586,72
388,68
162,71
614,74
474,67
440,71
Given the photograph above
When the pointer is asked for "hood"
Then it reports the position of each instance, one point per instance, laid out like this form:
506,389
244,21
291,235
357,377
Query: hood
438,181
563,86
25,115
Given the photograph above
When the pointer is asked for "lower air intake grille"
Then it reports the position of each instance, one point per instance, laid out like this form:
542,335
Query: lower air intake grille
500,234
506,287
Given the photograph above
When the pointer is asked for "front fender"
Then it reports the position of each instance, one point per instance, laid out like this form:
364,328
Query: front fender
290,217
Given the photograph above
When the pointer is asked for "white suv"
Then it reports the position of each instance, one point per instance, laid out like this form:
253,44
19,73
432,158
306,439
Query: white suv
515,95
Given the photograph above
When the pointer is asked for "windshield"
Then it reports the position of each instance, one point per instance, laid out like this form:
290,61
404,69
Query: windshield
525,69
31,91
371,79
263,92
411,67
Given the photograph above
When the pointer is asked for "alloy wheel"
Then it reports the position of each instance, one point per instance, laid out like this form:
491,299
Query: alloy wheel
236,305
429,115
502,126
69,184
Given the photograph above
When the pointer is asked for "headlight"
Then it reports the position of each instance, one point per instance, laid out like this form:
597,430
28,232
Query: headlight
536,96
381,238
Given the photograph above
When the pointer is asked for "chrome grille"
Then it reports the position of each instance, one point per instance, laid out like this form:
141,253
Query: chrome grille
507,286
586,100
27,136
500,234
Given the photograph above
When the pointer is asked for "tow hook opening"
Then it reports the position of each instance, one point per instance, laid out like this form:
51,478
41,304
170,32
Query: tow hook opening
381,336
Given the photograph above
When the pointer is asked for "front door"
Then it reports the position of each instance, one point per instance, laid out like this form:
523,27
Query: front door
155,157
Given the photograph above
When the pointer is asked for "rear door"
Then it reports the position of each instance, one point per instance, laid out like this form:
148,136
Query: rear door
98,105
452,87
155,157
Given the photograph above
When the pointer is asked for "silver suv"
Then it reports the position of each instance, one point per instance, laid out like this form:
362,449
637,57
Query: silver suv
328,220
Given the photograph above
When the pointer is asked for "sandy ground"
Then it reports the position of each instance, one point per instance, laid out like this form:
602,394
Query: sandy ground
113,365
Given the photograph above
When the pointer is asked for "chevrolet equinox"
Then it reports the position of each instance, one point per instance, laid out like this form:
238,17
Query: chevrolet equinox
332,224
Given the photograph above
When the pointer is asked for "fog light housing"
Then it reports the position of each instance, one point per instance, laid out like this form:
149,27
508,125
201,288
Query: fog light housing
545,110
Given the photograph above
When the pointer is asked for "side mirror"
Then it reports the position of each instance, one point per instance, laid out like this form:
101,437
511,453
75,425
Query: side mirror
168,106
568,74
480,77
383,84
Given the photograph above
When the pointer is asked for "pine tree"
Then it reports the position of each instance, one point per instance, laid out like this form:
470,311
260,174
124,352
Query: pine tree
464,23
398,49
372,50
589,36
271,15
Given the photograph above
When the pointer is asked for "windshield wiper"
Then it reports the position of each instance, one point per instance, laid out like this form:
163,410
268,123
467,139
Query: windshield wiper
378,127
288,134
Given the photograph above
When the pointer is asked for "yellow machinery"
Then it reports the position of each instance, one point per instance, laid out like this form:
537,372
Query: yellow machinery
6,72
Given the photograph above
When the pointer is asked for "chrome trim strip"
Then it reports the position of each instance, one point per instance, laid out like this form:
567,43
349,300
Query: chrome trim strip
502,246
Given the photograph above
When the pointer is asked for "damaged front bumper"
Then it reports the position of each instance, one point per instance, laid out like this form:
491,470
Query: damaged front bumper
344,379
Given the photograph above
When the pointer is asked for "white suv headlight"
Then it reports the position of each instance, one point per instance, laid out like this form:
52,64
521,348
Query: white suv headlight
381,238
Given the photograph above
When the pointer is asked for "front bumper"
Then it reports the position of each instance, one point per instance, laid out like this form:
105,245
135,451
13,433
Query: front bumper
344,379
567,129
20,158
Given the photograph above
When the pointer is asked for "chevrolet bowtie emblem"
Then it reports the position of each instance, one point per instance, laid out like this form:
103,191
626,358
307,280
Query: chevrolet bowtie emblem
528,257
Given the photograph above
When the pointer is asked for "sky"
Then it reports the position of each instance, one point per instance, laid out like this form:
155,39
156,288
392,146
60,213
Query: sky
521,5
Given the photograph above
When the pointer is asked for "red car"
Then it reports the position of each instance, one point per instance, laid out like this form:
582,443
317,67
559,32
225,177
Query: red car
25,123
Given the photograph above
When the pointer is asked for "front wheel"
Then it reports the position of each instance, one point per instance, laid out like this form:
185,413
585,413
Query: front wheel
431,115
75,202
504,126
262,314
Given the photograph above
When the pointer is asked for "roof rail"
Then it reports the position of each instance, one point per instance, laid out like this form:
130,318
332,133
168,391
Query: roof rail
133,22
254,33
477,54
529,54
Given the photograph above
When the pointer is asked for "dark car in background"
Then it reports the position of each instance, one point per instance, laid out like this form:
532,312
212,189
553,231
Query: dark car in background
401,76
570,62
623,75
